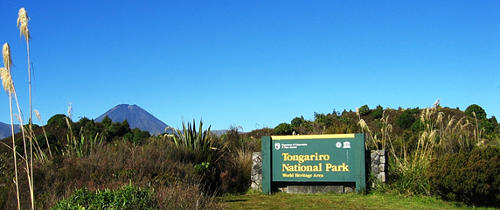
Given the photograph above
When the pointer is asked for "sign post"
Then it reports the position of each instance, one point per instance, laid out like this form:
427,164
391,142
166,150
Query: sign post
338,158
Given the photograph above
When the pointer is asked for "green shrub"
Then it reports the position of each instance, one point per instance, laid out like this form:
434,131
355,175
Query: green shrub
377,112
407,118
301,126
364,110
128,197
472,177
283,129
417,126
410,180
478,110
58,121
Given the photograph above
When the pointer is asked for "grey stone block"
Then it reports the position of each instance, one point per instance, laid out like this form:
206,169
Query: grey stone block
375,169
256,173
381,167
381,152
348,189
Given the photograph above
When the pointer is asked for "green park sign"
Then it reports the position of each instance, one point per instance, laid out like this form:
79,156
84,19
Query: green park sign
332,158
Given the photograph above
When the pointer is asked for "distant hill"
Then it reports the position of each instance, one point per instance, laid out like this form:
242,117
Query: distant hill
5,130
136,117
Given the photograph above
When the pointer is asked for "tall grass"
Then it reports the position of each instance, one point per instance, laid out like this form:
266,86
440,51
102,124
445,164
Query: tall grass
39,117
22,24
379,142
8,85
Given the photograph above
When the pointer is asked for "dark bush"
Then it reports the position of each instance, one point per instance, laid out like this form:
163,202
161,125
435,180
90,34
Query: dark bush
58,121
472,177
417,126
407,118
283,129
301,126
474,108
364,110
377,112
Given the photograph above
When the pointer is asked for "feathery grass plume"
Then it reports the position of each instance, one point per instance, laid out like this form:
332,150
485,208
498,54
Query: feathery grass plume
364,126
22,23
8,85
7,60
6,80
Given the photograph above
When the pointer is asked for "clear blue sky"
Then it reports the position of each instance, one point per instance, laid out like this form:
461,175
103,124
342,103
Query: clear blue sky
254,63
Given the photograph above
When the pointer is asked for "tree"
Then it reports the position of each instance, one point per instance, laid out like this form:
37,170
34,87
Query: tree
297,122
283,129
364,110
377,112
479,111
106,121
58,121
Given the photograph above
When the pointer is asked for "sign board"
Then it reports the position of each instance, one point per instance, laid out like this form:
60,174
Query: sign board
314,158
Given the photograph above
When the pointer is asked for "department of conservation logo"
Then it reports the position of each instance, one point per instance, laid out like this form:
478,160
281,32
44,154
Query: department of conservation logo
277,146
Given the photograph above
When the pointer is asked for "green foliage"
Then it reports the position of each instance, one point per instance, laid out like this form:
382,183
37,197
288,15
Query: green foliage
58,121
407,118
364,110
115,130
323,120
478,110
301,126
106,121
377,112
283,129
489,125
127,197
136,136
417,126
410,180
83,146
200,142
472,177
297,122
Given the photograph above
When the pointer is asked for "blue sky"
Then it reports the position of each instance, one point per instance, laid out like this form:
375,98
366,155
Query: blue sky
254,63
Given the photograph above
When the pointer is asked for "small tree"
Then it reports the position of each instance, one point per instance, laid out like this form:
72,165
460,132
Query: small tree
364,110
478,110
283,129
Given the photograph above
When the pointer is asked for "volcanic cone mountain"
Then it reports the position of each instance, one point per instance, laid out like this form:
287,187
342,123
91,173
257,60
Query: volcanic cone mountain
136,117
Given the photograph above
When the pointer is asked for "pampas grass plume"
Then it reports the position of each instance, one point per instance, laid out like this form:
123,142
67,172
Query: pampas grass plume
6,80
22,23
37,114
7,60
5,71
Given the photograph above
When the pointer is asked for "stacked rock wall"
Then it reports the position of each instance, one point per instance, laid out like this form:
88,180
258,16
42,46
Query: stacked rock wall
256,171
378,165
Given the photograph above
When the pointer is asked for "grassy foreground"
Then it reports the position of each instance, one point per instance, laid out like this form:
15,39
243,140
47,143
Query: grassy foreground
335,201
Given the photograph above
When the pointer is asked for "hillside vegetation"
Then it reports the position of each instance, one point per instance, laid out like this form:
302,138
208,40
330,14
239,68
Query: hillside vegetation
192,166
